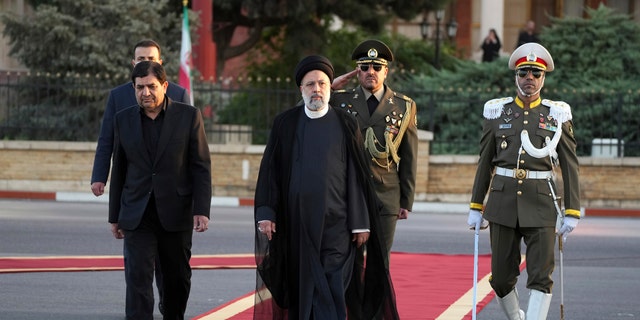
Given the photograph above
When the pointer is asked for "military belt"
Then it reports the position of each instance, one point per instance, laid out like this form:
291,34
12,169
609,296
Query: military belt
522,173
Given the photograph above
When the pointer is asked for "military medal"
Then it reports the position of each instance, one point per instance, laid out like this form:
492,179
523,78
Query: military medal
503,145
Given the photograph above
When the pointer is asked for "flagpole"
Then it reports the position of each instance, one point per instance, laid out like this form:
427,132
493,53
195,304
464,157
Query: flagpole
185,53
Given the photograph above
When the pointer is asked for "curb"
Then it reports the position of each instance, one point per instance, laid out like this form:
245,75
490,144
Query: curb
440,207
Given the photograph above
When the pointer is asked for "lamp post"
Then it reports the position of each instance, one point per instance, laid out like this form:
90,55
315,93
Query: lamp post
451,29
439,16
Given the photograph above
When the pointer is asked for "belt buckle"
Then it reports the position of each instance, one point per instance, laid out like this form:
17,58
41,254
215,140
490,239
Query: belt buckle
521,173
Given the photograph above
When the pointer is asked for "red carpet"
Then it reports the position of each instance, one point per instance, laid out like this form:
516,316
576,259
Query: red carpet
106,263
428,286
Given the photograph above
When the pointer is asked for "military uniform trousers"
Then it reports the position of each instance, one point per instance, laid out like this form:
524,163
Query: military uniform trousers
506,257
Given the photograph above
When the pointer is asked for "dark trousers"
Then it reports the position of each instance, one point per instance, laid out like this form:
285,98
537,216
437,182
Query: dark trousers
506,257
173,250
388,227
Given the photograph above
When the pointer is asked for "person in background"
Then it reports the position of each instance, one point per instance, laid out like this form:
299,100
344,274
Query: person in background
523,139
389,125
528,34
314,206
160,191
491,46
119,98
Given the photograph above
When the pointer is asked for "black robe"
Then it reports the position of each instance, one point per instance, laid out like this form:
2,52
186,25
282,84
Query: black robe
293,255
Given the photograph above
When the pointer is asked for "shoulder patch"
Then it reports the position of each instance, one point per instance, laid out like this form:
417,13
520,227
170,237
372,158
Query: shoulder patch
559,110
493,108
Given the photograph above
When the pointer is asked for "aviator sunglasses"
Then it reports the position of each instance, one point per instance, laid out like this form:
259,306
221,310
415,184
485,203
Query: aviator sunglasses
536,73
365,67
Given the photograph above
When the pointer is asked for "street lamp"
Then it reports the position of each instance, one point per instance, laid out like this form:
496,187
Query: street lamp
439,16
451,28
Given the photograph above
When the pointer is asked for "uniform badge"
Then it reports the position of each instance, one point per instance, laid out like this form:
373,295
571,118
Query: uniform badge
507,120
505,126
390,100
355,96
503,144
508,112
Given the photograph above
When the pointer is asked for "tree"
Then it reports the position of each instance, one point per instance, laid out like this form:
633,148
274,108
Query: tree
301,26
601,51
88,37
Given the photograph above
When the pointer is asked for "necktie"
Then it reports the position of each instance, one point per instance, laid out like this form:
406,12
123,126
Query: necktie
372,103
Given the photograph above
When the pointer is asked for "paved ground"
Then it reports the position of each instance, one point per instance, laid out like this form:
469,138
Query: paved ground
601,260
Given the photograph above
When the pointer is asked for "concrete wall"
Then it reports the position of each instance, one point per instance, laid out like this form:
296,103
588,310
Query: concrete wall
49,166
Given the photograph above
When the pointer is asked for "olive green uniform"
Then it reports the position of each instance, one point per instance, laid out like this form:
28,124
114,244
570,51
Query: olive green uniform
521,205
393,124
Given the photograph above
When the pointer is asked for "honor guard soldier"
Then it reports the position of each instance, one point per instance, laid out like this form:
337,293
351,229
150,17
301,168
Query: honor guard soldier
389,124
523,139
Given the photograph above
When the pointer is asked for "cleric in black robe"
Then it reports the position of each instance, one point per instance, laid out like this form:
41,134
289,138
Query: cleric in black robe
314,206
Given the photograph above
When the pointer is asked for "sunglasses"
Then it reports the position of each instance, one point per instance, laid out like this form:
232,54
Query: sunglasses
365,67
536,73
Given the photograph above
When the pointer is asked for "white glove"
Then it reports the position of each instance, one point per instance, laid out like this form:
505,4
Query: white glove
568,224
475,220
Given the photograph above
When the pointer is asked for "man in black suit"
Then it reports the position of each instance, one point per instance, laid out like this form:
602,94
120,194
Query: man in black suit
160,191
120,98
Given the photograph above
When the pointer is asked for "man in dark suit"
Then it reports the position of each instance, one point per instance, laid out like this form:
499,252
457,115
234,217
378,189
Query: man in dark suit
120,98
388,121
160,191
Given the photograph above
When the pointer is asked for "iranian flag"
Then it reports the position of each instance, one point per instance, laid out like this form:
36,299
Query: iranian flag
185,53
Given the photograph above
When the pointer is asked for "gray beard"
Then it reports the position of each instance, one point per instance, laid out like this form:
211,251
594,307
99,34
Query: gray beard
314,105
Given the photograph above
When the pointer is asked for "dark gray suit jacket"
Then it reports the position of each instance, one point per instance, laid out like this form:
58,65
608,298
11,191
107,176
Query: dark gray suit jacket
179,177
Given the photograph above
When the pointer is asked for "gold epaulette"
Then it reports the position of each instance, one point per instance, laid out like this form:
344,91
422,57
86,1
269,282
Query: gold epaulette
493,108
559,110
401,96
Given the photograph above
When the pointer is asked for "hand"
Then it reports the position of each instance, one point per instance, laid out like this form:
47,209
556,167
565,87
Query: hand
403,214
341,81
117,232
97,188
360,238
568,224
200,223
475,220
267,227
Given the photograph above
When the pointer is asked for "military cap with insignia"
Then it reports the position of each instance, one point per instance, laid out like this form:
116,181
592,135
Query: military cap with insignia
531,55
372,52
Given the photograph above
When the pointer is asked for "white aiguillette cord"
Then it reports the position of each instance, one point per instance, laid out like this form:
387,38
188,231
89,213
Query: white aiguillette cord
547,151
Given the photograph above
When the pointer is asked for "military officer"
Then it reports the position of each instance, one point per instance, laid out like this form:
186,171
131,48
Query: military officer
523,139
388,122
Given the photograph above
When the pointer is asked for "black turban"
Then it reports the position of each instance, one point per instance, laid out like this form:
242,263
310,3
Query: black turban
310,63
